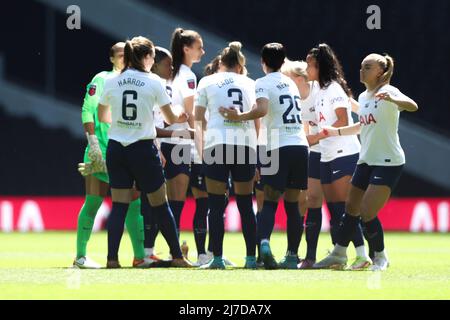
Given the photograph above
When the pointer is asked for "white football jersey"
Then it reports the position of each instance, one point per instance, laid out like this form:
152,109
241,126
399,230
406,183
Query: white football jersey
380,144
183,86
159,118
132,96
283,119
225,89
327,100
309,113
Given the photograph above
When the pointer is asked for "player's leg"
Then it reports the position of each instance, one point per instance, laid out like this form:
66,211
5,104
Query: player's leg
259,194
121,198
96,191
198,187
217,174
373,201
216,203
243,173
148,173
135,226
150,229
350,221
341,170
177,174
296,183
313,223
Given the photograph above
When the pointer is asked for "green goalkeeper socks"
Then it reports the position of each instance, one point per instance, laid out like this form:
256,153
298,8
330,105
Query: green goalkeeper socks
135,226
86,222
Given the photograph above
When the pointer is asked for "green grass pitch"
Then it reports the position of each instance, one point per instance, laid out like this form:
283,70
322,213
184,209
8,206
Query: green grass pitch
35,266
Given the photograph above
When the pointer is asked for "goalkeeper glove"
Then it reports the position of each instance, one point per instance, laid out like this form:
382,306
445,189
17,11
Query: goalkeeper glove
95,153
89,168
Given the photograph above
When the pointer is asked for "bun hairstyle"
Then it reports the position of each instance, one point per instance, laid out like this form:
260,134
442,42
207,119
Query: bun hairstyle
180,39
330,68
297,68
232,56
273,55
135,51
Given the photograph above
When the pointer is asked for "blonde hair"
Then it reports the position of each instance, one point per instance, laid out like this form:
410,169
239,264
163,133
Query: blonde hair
232,56
386,64
297,68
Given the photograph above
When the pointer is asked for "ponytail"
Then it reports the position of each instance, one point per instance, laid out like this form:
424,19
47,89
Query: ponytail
180,39
387,64
135,51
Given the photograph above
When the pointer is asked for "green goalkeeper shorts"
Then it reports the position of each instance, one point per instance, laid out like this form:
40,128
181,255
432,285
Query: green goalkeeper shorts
102,176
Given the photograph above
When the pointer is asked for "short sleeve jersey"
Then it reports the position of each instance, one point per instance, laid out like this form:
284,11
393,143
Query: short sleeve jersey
329,99
133,96
227,89
380,144
283,120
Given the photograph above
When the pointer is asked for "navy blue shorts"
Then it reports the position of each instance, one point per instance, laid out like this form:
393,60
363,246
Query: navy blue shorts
259,185
197,179
377,175
314,165
292,168
221,160
137,163
177,166
338,168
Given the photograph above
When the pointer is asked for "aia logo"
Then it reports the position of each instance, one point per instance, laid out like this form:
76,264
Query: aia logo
367,119
321,117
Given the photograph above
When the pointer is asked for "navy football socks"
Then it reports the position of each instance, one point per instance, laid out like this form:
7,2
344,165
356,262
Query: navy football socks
248,222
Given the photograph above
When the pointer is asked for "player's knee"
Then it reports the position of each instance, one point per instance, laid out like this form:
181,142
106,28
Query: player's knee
270,194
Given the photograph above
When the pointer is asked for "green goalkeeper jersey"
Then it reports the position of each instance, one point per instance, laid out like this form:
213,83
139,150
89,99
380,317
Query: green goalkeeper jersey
89,113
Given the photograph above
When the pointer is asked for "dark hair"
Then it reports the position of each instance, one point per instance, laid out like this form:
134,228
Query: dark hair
117,47
330,68
232,56
161,53
180,39
273,55
137,49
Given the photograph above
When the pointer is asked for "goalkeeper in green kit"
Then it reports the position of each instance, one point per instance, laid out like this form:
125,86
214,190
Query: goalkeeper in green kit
96,178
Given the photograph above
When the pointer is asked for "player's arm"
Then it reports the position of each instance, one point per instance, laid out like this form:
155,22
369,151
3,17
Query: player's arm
231,113
89,108
403,102
257,123
200,127
171,117
189,109
166,133
342,117
350,130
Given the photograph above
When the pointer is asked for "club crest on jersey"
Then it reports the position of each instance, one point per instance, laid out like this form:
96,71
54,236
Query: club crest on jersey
92,89
191,84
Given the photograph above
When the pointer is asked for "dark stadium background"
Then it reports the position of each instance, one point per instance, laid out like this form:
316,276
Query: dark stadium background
35,160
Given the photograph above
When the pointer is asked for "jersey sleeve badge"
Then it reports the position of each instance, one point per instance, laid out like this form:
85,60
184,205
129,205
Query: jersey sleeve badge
92,89
191,84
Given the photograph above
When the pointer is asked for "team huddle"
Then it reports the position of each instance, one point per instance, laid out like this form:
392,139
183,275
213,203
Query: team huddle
154,132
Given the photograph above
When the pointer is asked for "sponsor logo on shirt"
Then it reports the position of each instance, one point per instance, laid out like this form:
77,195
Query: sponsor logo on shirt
367,119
